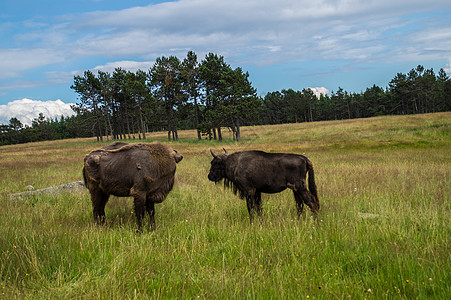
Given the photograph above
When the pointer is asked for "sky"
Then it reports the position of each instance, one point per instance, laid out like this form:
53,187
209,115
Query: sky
283,44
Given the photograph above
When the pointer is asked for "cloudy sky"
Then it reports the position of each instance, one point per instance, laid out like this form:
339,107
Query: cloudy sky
283,44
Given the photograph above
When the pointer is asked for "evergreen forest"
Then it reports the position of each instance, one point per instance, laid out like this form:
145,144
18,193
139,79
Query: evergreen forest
211,96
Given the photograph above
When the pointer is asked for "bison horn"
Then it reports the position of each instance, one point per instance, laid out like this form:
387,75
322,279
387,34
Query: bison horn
211,151
225,151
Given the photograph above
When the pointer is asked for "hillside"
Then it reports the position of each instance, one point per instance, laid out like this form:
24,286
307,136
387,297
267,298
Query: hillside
383,229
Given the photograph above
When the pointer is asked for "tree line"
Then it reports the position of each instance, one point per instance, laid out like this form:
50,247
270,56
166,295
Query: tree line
419,91
41,129
210,95
173,94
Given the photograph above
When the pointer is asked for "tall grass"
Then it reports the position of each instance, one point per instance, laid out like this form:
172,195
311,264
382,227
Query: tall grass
395,168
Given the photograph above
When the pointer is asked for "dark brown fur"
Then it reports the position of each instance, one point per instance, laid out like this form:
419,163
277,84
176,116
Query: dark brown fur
250,173
142,171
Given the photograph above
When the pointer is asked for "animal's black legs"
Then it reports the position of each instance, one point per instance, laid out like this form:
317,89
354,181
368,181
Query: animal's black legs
254,203
99,200
308,199
250,207
140,201
258,203
299,203
150,207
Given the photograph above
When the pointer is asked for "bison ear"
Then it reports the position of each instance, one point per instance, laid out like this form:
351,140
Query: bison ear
214,155
177,156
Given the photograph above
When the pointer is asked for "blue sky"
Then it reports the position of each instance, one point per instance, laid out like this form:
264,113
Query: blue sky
282,43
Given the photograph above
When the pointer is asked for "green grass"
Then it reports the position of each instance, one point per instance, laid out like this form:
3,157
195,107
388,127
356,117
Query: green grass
396,167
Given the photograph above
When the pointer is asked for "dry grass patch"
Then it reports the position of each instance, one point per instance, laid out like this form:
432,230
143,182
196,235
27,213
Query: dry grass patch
397,168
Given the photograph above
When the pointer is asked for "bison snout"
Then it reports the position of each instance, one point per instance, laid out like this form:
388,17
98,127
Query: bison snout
212,178
215,177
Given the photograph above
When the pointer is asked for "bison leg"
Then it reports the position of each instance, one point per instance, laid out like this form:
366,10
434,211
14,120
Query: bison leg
99,200
140,202
150,207
299,203
254,203
250,208
308,199
258,203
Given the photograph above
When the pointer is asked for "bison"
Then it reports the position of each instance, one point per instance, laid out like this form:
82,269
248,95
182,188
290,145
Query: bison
142,171
250,173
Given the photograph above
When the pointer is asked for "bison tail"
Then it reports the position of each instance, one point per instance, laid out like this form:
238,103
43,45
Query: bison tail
84,176
311,181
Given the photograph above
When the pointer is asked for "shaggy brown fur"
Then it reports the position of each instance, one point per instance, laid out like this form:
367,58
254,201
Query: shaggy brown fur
142,171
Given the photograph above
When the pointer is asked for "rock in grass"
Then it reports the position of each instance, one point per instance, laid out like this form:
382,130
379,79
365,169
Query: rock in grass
368,215
54,190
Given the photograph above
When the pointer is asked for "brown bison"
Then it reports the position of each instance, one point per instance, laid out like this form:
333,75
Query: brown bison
142,171
250,173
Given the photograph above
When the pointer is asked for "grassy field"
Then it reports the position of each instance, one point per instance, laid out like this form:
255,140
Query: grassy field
395,168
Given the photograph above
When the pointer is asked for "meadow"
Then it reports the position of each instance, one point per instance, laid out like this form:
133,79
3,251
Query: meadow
383,230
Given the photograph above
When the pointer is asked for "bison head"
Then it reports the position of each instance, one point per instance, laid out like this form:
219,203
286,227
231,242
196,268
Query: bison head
218,167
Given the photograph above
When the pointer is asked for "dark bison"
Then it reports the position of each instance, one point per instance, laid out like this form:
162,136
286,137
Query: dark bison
250,173
142,171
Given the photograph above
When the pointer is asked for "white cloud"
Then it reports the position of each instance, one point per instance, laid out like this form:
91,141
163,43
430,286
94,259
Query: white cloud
26,110
14,61
318,91
264,32
67,77
448,67
252,31
247,29
129,65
